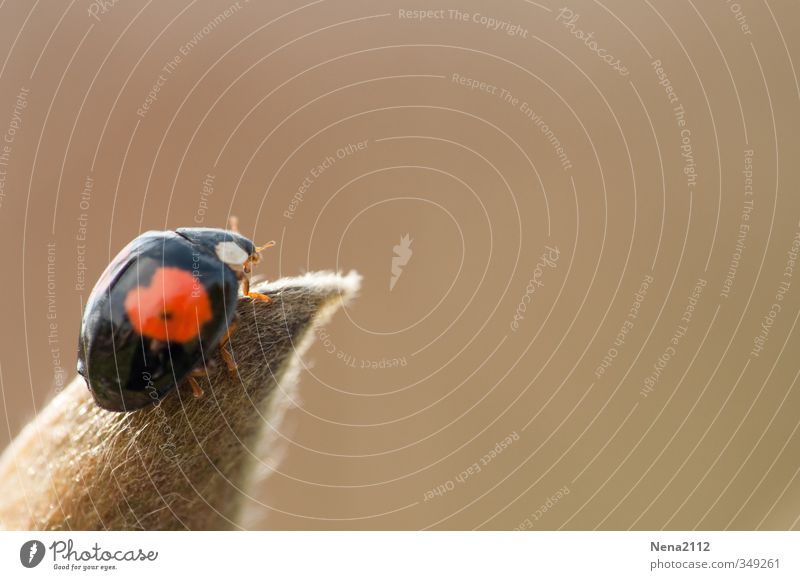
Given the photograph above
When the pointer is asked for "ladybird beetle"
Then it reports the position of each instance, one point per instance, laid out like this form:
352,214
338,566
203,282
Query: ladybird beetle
162,304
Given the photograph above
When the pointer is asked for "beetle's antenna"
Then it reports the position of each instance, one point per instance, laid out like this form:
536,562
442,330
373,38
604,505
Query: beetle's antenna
265,246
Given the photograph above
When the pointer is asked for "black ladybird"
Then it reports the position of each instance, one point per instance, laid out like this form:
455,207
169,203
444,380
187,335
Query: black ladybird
165,300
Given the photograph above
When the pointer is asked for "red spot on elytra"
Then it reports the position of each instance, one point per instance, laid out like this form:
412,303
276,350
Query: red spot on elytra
173,308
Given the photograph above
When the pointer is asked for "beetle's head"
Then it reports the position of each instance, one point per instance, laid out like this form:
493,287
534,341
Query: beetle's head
255,256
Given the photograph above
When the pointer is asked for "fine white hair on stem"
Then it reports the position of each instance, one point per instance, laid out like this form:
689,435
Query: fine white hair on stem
186,463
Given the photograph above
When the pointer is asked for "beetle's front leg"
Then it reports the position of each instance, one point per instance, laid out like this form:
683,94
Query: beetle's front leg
245,281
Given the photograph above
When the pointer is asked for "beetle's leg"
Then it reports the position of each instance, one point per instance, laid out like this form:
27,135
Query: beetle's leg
246,287
197,390
233,224
227,356
259,296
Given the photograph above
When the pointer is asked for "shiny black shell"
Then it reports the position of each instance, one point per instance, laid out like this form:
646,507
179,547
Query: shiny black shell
126,368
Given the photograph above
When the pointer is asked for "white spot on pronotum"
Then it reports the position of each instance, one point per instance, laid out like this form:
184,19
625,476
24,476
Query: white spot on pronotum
231,253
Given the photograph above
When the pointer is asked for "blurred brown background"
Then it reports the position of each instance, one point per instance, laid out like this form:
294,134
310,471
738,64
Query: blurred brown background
641,374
